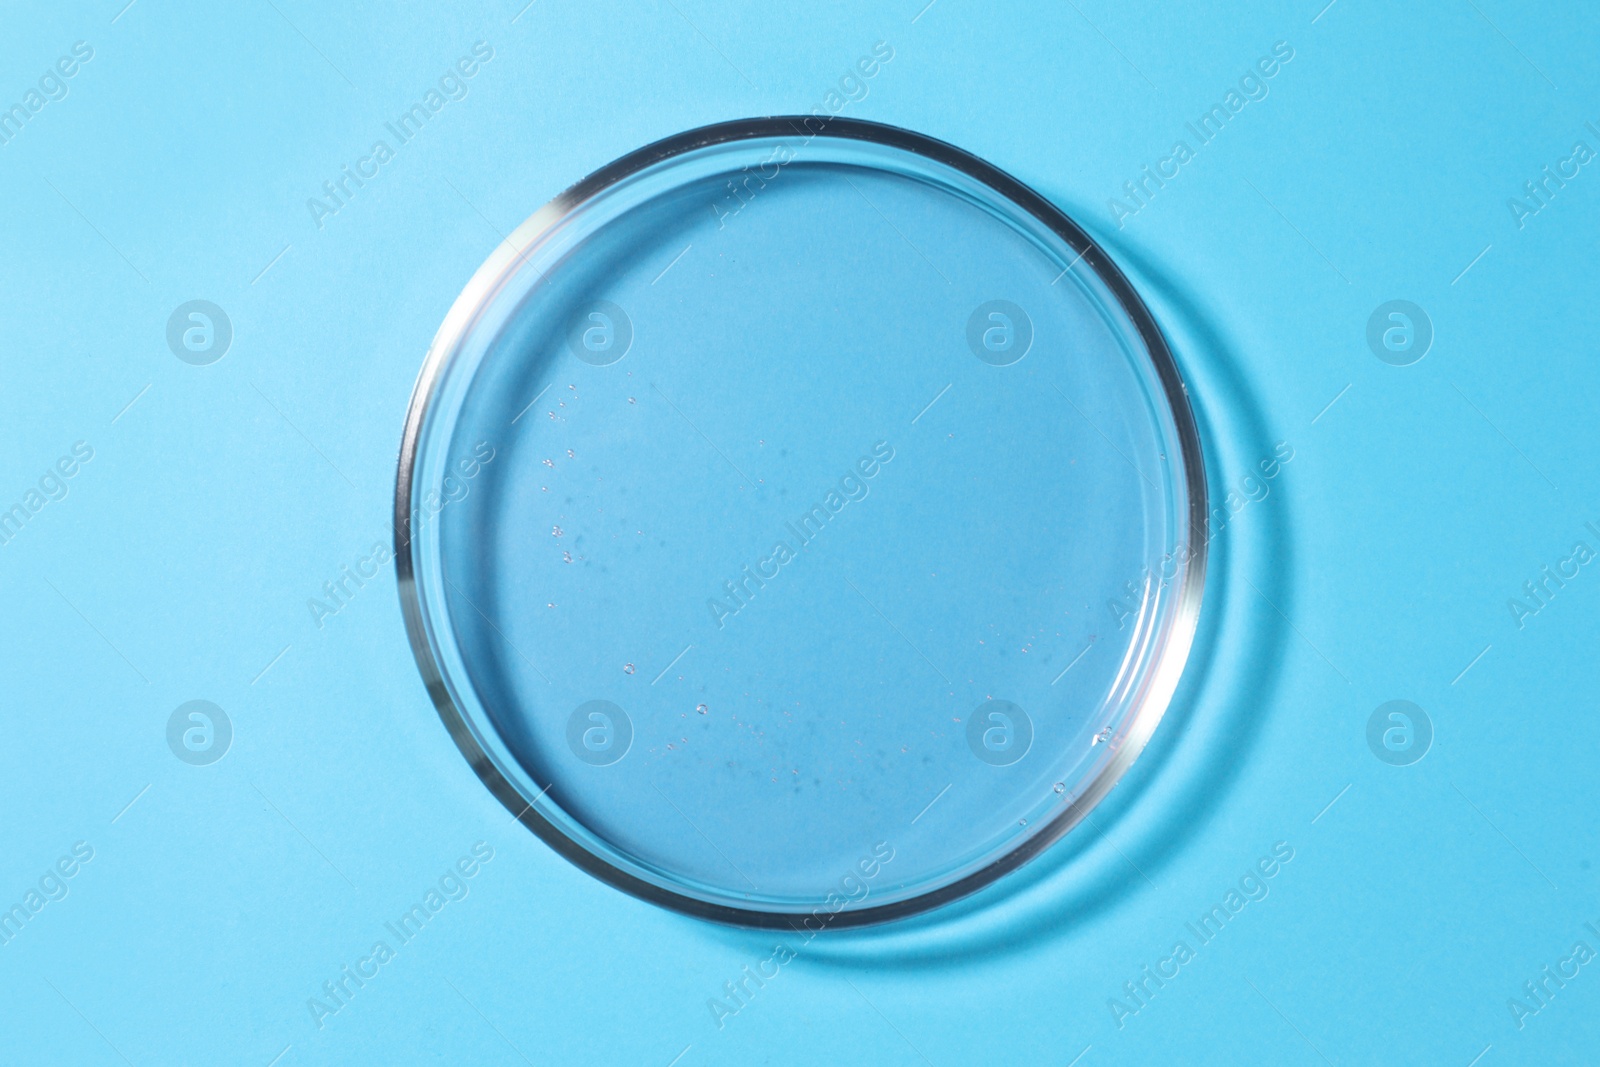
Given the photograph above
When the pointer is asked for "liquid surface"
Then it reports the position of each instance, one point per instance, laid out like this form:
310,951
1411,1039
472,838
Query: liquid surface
816,529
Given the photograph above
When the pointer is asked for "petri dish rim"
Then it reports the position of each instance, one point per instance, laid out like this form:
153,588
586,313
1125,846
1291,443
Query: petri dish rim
1160,676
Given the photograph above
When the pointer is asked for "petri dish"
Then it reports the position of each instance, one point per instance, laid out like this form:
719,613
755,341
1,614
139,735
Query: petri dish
800,522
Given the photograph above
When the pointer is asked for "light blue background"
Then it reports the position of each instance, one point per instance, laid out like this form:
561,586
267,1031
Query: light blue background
179,565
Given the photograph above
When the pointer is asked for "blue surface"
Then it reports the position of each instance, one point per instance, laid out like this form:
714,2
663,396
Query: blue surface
1378,565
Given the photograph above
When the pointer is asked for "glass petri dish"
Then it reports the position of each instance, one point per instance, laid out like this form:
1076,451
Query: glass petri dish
800,522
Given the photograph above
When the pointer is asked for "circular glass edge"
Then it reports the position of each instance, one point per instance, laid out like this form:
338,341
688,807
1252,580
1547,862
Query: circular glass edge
485,284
